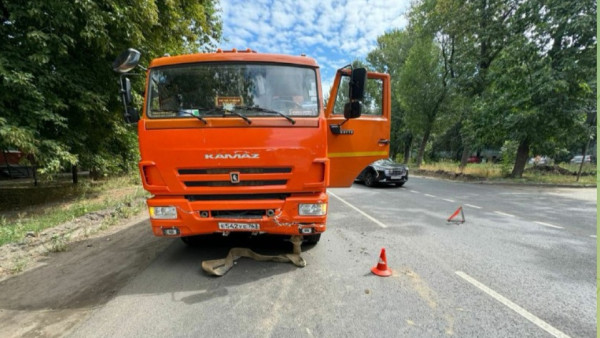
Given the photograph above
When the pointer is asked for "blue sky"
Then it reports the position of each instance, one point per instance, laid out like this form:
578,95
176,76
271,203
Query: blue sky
332,32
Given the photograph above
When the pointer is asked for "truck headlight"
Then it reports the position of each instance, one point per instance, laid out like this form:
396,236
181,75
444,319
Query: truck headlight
312,209
163,212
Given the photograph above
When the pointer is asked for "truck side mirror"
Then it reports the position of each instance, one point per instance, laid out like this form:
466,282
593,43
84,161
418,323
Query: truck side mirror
126,61
352,110
132,115
357,84
358,79
123,64
126,90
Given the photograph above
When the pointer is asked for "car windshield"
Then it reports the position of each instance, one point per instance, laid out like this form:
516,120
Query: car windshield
205,89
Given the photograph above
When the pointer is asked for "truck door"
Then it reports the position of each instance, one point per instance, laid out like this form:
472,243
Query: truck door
353,144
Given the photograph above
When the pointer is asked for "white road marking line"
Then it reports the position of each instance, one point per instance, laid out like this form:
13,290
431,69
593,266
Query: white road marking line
448,200
593,236
473,206
428,195
548,225
360,211
414,191
521,311
504,214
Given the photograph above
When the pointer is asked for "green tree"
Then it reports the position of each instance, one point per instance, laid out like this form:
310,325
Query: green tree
471,34
389,57
58,94
543,82
517,70
423,89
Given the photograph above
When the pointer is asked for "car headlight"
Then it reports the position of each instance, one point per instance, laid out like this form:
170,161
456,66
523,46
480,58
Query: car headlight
388,171
312,209
163,212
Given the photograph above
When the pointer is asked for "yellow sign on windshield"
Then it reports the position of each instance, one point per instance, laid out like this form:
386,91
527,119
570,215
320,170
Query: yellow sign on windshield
222,101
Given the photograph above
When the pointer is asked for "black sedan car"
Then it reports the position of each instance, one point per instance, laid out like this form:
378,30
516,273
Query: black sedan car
384,171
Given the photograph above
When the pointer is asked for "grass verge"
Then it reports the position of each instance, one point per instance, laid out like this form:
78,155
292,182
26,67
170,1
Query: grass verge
26,210
563,174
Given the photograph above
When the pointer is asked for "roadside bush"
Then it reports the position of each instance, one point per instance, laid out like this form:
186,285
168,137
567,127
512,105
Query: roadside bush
508,154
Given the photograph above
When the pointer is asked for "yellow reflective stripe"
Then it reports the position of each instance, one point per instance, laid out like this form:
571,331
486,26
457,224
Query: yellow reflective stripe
358,154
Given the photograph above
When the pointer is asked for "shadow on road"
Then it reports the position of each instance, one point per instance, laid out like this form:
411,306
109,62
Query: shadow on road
179,267
92,271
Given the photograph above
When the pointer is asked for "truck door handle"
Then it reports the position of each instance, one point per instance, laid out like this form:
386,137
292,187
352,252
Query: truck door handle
336,129
384,141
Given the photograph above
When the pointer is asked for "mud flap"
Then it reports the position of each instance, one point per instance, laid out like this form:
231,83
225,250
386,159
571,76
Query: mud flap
219,267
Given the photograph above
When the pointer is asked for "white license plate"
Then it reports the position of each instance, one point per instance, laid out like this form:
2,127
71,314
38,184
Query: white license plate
396,177
239,226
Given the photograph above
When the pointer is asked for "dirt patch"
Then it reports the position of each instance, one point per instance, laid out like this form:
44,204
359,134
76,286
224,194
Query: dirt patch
540,169
56,290
17,257
554,169
448,175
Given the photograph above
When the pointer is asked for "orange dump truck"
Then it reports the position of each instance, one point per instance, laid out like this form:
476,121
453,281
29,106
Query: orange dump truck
242,141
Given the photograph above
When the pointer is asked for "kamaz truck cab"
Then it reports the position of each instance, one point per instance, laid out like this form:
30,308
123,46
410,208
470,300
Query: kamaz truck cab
236,141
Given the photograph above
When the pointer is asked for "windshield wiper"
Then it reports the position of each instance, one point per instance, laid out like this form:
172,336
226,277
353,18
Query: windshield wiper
237,114
180,113
224,112
268,111
204,111
192,115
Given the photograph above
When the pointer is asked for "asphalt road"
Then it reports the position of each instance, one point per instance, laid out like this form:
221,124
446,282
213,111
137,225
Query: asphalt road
522,265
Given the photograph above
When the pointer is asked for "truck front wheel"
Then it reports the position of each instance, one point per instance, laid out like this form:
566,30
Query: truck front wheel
188,240
312,239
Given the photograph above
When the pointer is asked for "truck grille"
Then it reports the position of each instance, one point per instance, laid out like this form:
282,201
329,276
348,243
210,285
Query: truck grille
212,171
252,183
236,197
238,214
248,176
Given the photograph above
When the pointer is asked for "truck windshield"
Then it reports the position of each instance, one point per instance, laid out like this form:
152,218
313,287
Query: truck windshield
209,89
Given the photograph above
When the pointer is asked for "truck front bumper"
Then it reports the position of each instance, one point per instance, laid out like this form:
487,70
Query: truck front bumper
271,216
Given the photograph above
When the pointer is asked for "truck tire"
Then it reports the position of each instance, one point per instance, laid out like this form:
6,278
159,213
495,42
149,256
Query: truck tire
188,240
312,239
198,240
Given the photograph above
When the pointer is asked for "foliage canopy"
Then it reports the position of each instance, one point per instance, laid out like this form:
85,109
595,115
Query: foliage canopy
58,93
510,70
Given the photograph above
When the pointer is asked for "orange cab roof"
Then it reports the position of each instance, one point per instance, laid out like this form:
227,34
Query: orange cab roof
233,55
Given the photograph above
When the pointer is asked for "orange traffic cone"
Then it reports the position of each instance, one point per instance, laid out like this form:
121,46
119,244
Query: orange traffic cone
381,269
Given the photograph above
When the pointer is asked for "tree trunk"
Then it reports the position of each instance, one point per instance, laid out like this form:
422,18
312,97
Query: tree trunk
465,156
74,174
585,149
34,167
94,174
407,146
422,147
522,155
7,164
